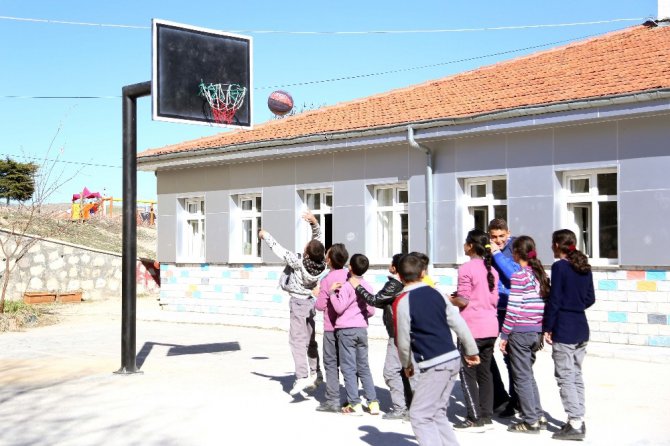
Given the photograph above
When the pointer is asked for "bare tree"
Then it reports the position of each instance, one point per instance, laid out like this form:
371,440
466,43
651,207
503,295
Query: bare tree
20,221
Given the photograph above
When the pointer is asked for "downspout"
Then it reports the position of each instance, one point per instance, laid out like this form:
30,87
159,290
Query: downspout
429,191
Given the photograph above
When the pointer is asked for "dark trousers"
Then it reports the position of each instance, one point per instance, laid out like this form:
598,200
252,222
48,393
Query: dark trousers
500,395
476,381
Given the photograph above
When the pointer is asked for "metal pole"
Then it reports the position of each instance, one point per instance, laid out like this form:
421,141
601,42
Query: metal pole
129,261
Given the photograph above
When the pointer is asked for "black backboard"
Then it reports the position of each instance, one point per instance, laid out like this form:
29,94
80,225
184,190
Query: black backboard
183,56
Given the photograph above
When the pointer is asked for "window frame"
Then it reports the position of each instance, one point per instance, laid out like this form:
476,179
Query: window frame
253,215
186,252
471,204
320,214
397,209
590,200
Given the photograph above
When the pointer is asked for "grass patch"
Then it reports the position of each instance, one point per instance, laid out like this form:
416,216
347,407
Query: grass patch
19,315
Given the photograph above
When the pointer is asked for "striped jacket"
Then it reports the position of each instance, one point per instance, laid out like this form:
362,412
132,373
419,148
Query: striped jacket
525,307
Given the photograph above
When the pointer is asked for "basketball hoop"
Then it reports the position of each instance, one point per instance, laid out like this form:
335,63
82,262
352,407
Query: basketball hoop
224,100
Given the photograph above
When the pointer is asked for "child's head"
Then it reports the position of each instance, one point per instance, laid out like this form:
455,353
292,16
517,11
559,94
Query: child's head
477,244
564,245
395,263
337,256
423,257
358,264
523,249
315,251
499,232
410,269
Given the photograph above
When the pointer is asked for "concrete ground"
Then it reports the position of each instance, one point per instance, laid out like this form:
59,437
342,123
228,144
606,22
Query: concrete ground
213,384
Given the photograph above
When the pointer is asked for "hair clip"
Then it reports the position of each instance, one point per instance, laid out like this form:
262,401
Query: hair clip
531,255
487,246
572,248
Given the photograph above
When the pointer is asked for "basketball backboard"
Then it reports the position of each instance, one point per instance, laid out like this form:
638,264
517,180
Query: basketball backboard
183,58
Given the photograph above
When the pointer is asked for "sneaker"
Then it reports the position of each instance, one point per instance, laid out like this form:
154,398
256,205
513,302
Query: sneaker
469,425
373,407
325,407
300,385
356,409
544,424
318,380
396,414
568,432
508,412
524,428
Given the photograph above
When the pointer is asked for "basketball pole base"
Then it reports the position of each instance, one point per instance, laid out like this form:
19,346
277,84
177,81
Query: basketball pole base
123,371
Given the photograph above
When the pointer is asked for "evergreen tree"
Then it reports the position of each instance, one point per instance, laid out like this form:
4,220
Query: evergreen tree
17,180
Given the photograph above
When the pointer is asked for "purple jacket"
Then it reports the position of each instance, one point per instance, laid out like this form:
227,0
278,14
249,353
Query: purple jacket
352,311
323,299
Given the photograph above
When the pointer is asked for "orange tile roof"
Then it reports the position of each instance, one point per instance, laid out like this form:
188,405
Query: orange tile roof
622,62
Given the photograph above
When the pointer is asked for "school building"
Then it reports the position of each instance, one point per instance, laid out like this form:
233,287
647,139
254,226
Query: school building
575,137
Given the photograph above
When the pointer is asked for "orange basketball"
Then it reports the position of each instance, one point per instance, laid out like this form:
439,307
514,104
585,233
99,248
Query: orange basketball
280,102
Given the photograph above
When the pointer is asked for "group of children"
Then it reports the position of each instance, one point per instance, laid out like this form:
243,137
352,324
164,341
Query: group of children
422,358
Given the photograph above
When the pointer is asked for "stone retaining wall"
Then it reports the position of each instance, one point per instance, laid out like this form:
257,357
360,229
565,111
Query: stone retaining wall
55,266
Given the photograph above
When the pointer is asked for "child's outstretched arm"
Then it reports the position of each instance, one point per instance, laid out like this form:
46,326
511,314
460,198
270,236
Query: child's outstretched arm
289,257
316,228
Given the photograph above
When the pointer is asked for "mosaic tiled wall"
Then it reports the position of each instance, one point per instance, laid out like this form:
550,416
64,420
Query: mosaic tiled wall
632,307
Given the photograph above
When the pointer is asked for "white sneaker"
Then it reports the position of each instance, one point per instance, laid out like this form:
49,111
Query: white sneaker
300,385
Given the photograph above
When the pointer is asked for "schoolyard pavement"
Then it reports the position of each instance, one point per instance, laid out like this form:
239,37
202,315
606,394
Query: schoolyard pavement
205,384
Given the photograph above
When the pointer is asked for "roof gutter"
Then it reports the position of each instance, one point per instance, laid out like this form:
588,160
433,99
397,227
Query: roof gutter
153,162
429,191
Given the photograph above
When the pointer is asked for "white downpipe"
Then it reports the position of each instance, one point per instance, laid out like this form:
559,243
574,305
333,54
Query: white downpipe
663,10
429,191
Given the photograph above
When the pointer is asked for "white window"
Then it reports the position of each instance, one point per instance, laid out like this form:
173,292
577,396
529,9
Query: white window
192,246
592,212
485,199
320,203
392,220
250,207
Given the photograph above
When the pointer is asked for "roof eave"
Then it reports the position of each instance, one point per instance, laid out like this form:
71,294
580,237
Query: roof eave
155,162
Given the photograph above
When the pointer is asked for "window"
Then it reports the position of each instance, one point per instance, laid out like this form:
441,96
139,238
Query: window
592,212
193,230
392,220
250,207
485,199
320,202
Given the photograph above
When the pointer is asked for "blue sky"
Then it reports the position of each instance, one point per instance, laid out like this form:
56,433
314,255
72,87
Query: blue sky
55,59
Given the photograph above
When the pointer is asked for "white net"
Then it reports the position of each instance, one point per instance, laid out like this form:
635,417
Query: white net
224,100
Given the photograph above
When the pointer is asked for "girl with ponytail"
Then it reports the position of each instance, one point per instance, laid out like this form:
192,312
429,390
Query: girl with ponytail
477,298
521,333
567,329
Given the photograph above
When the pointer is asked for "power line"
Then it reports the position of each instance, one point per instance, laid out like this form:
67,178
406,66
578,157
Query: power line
414,31
57,160
343,78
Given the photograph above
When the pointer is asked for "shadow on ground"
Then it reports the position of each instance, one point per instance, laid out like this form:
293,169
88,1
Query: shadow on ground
178,350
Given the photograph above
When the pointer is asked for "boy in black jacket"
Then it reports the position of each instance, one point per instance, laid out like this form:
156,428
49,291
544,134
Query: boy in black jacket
397,382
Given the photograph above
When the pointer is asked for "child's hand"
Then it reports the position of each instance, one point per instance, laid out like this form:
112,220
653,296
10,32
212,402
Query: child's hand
409,371
547,338
262,233
309,218
472,360
315,291
503,346
354,281
335,286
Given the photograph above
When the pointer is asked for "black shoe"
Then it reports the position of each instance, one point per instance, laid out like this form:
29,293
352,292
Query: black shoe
524,428
568,432
486,420
397,414
325,407
508,412
468,425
